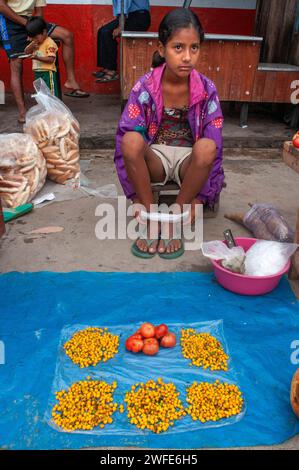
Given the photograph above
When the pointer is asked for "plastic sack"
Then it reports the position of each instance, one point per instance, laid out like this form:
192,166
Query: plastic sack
267,258
22,169
266,223
128,369
231,258
56,132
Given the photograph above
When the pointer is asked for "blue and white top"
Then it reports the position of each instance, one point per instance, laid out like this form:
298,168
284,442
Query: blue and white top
130,6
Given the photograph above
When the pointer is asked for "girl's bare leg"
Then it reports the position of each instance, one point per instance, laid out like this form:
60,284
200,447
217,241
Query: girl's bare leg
194,173
142,167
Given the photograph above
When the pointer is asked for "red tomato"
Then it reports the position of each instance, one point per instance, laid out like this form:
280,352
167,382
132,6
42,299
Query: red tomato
151,346
136,336
296,141
147,330
134,344
161,331
168,341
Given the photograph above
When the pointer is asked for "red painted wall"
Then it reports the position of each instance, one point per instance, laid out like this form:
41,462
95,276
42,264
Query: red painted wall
84,21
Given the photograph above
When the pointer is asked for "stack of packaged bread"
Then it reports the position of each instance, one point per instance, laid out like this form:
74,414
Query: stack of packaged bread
57,136
23,169
49,146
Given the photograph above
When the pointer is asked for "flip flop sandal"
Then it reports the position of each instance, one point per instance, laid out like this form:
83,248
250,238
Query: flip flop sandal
143,254
172,255
108,78
98,74
77,93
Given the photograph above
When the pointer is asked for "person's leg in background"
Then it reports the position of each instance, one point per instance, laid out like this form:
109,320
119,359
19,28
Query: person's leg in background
106,49
107,44
67,39
107,52
16,70
14,38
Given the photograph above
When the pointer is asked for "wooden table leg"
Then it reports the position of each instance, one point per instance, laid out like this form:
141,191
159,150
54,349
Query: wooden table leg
294,271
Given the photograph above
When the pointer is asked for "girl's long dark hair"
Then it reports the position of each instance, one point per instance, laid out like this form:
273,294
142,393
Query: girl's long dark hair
174,20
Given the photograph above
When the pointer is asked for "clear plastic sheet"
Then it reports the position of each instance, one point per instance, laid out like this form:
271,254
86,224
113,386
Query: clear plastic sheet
128,368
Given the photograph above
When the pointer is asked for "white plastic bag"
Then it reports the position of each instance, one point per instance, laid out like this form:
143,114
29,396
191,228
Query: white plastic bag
56,132
231,258
22,169
267,258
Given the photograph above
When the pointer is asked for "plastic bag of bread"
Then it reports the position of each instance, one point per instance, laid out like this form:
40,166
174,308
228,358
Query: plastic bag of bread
265,218
23,169
56,132
265,222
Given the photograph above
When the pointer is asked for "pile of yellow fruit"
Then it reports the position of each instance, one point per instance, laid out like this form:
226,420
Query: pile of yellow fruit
92,345
85,405
154,405
204,350
213,401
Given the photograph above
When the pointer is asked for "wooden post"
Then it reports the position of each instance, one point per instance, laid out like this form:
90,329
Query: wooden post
275,21
294,271
122,26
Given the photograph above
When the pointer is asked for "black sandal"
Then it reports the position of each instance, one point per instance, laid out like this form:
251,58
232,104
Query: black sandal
108,77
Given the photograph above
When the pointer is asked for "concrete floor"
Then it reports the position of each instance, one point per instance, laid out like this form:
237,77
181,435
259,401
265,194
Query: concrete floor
260,177
99,115
252,175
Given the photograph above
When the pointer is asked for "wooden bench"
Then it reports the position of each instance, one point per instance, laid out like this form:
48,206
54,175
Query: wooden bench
232,62
229,61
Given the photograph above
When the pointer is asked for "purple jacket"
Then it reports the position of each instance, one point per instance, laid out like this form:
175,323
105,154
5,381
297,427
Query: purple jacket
143,113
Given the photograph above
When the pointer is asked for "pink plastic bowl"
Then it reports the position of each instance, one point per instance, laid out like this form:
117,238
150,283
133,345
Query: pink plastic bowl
247,285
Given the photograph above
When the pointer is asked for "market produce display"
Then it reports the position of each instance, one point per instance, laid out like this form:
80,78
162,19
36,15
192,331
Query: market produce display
154,405
148,338
85,405
22,169
92,345
151,395
57,135
213,401
204,350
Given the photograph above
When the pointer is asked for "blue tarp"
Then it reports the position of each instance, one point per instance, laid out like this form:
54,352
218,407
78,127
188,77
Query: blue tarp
35,307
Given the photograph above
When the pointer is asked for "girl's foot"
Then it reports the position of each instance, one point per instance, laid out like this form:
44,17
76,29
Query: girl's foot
149,238
170,241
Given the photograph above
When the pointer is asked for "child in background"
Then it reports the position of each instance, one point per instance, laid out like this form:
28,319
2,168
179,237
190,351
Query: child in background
171,129
43,51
